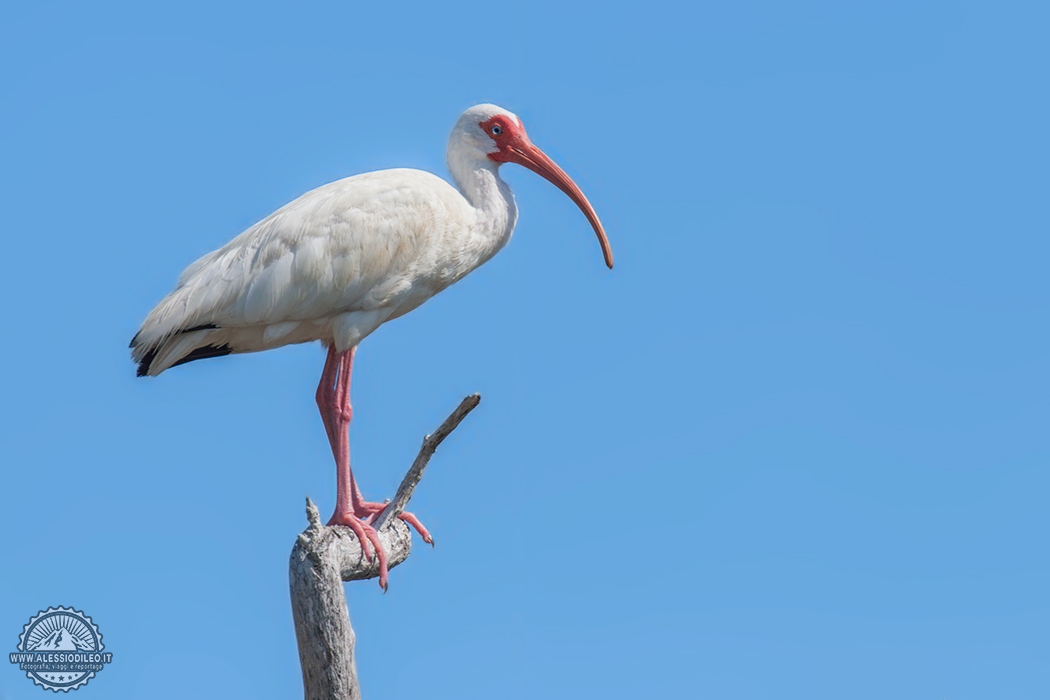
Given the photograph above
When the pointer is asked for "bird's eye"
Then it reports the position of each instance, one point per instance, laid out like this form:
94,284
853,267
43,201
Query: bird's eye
496,130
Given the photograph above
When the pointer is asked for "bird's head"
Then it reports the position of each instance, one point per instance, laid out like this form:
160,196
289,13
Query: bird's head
498,135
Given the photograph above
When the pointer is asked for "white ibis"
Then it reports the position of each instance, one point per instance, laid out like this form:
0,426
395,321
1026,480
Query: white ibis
343,259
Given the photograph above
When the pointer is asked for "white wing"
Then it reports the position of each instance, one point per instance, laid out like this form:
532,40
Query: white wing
347,255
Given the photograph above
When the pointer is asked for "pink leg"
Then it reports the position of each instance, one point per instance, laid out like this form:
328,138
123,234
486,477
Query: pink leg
333,401
326,393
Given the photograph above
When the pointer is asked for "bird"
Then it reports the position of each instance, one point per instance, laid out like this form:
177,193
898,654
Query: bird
345,258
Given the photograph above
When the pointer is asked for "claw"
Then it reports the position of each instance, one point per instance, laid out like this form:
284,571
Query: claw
360,521
371,547
370,511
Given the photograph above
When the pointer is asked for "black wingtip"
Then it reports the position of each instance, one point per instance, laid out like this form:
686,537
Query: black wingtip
198,354
143,368
204,353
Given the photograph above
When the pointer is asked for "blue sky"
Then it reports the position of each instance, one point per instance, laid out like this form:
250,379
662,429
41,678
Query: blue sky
794,445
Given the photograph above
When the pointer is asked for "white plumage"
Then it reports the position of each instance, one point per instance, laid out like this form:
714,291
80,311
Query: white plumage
332,265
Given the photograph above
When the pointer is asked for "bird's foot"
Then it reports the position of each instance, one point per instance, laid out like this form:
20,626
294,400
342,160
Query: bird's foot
369,511
368,537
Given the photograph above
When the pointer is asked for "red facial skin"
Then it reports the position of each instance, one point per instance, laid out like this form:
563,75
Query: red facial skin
513,146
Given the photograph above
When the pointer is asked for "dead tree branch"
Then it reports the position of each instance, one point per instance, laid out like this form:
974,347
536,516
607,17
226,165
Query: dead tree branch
426,451
323,557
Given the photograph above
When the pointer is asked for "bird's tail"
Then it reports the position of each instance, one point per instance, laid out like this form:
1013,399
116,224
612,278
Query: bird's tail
183,346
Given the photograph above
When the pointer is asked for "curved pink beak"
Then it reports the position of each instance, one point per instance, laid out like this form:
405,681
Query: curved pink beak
523,152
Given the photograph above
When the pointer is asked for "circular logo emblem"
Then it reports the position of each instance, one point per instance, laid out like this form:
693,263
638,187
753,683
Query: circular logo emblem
61,649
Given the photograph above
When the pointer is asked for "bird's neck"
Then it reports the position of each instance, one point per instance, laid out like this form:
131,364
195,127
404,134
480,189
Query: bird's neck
493,203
